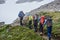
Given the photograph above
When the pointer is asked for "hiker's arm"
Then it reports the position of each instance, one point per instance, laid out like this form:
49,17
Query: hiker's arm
45,21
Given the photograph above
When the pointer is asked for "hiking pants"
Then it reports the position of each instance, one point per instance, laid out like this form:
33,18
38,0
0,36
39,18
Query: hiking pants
49,30
21,21
35,25
30,24
35,28
41,28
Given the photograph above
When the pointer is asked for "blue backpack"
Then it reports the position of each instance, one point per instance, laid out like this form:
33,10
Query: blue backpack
21,14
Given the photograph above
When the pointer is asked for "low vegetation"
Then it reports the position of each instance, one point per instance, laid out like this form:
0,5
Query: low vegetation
18,33
56,23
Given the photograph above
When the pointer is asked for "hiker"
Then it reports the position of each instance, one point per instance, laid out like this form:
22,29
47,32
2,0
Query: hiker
35,21
21,15
42,20
49,27
30,21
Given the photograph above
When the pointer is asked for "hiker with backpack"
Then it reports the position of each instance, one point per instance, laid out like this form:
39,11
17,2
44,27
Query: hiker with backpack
49,27
35,22
30,21
42,20
21,15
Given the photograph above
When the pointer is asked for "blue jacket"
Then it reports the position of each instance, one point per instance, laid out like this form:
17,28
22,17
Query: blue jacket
21,14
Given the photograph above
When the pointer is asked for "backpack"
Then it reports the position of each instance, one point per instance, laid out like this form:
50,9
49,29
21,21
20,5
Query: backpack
30,18
49,22
21,14
42,19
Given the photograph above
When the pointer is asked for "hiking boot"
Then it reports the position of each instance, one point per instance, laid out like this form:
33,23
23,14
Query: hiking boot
41,34
49,38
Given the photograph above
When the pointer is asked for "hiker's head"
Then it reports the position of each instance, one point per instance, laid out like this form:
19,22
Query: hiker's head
21,11
48,17
43,17
36,14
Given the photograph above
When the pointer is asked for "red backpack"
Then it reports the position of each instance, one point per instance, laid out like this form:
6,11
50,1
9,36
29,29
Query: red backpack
42,19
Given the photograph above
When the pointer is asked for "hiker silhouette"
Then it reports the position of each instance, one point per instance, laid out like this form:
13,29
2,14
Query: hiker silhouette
21,15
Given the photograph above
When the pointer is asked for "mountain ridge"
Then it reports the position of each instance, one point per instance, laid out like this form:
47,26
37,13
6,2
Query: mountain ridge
52,6
22,1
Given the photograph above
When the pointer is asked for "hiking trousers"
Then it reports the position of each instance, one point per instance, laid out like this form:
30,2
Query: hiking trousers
35,25
21,21
49,30
30,24
35,28
41,28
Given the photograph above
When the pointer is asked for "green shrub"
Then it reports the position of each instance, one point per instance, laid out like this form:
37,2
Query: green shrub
19,33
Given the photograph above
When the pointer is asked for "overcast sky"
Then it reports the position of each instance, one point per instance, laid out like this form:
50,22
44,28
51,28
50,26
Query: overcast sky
9,11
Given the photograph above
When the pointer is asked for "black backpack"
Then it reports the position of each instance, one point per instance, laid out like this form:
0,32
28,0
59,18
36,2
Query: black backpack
49,21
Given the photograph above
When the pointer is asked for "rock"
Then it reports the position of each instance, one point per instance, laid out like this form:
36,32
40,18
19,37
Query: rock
53,6
2,23
2,1
22,1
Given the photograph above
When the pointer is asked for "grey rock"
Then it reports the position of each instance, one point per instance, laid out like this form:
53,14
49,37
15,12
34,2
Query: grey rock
53,6
2,23
2,1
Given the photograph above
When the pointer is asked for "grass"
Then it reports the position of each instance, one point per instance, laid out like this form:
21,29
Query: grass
23,33
18,33
56,23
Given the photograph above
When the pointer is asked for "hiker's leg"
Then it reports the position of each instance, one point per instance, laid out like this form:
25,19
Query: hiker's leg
22,21
30,24
35,28
41,28
49,32
49,38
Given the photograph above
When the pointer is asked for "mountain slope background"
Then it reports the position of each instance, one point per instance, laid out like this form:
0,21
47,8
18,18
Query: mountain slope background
2,1
53,6
22,1
50,7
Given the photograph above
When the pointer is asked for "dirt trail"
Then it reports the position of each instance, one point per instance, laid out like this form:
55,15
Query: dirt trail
44,36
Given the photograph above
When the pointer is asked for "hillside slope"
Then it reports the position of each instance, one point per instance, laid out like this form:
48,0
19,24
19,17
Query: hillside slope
18,33
22,1
53,6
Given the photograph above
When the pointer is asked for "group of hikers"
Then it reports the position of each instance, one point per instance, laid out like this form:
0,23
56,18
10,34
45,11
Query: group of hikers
41,20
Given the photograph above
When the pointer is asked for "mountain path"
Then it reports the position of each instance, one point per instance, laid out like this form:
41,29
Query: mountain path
44,36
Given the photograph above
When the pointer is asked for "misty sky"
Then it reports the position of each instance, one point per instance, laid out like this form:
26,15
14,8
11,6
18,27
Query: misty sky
9,11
